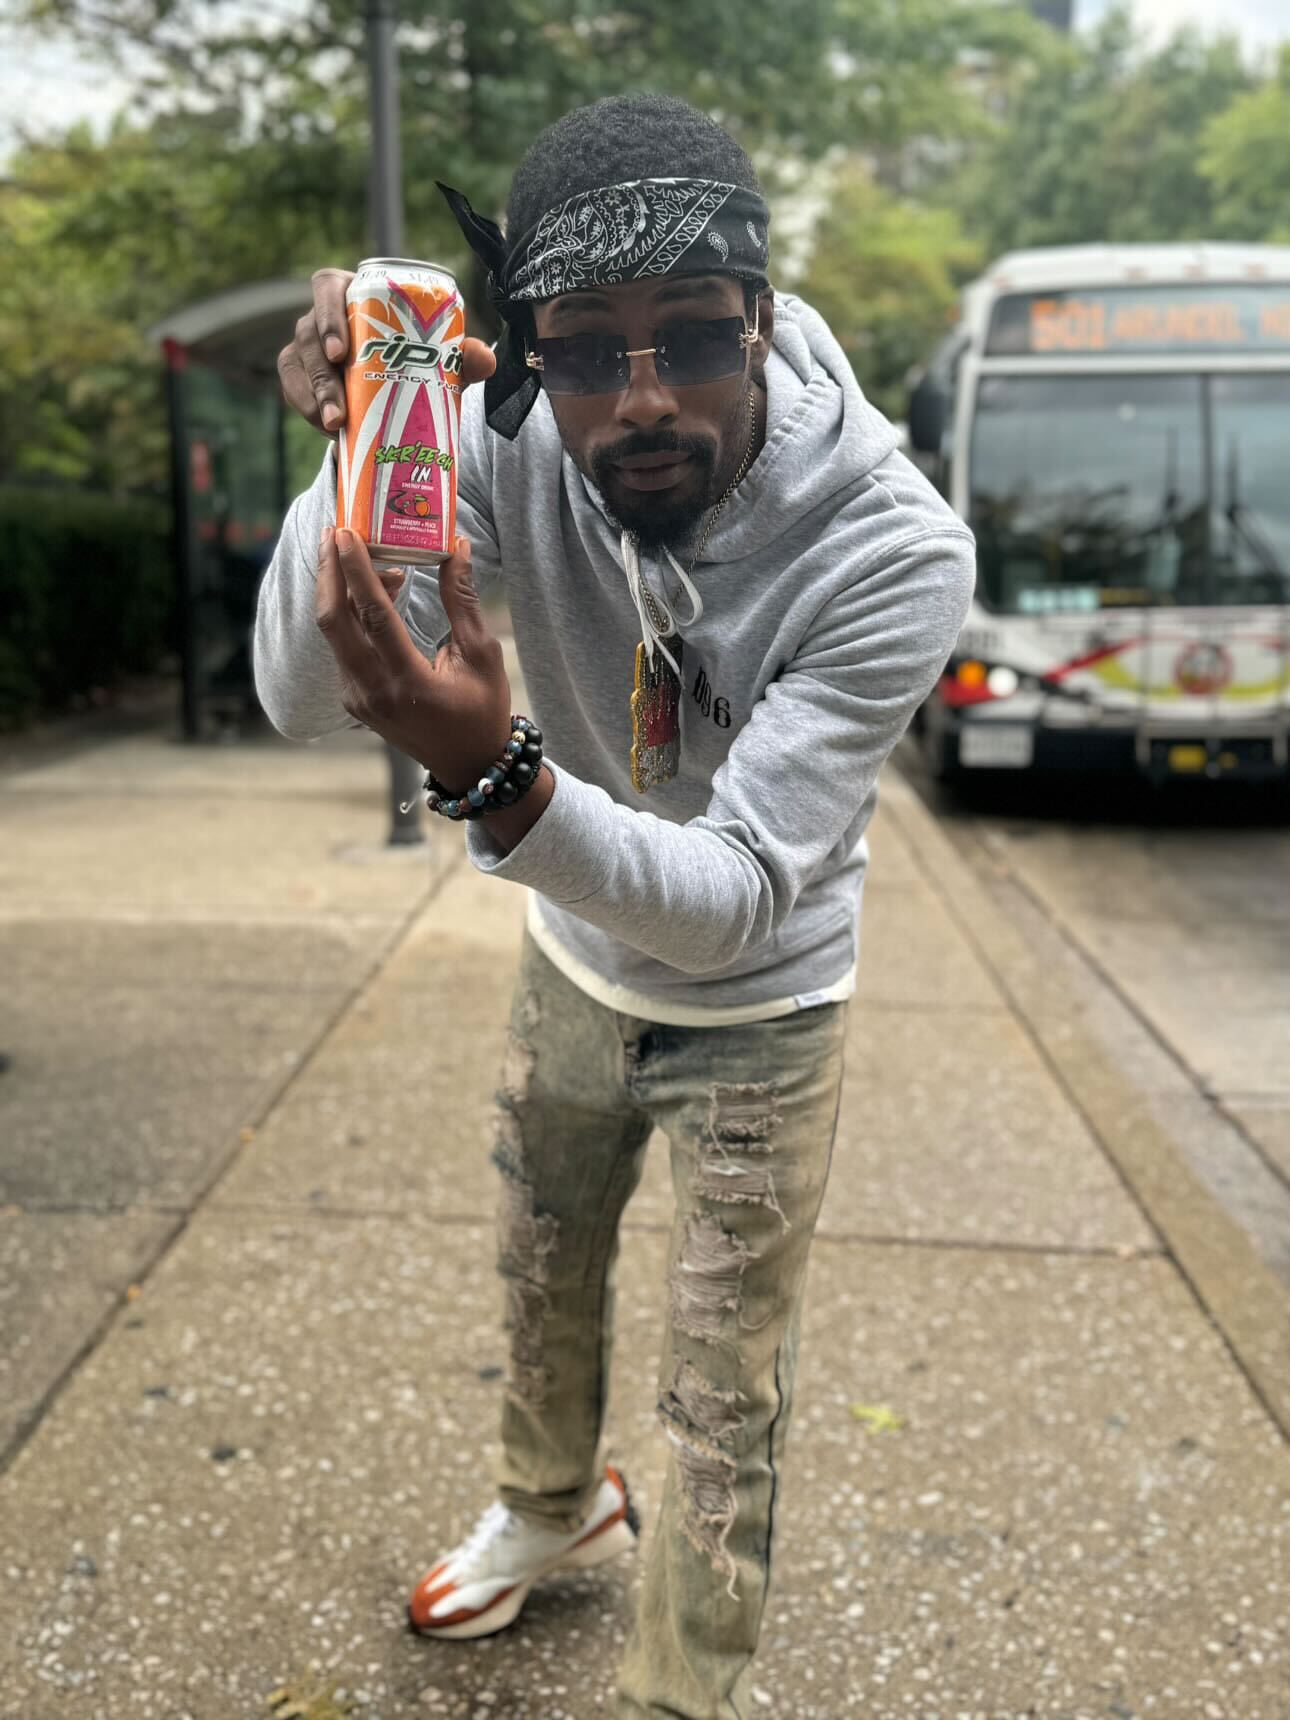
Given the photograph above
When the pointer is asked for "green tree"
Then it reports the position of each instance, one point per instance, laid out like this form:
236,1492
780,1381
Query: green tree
102,240
885,275
1101,141
248,158
479,79
1246,159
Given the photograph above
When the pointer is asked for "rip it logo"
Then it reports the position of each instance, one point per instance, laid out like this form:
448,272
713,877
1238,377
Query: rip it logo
411,357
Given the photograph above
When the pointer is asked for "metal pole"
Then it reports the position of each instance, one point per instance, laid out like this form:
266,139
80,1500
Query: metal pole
182,537
385,212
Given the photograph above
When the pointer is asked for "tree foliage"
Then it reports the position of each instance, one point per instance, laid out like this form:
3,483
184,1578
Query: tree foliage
1101,142
480,77
246,155
886,277
1246,160
101,240
964,128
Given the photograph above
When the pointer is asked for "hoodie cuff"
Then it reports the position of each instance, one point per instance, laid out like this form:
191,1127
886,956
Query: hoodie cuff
563,855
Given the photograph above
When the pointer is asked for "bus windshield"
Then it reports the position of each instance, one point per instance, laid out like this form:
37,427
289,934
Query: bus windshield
1094,492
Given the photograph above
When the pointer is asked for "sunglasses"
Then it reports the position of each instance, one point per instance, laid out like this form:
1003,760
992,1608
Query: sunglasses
684,353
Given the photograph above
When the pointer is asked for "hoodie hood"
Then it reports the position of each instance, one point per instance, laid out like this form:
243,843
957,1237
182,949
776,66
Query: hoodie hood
822,436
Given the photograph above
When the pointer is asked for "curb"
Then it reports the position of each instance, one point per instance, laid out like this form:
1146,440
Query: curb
1234,1288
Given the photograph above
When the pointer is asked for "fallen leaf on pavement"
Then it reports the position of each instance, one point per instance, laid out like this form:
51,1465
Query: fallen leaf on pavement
877,1417
307,1699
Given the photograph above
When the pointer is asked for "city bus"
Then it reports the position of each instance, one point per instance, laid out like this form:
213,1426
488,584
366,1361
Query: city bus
1113,421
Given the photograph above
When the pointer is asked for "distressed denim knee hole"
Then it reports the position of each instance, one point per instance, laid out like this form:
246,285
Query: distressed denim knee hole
737,1145
707,1281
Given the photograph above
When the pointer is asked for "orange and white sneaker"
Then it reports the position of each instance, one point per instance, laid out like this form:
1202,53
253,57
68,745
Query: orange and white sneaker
481,1586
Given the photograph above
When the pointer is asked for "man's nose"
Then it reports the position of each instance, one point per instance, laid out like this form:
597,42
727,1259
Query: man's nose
645,402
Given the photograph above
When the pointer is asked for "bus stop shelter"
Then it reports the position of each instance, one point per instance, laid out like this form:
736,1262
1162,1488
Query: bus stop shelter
230,482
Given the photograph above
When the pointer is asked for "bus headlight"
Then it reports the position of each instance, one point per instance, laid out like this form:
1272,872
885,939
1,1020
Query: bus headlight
1002,681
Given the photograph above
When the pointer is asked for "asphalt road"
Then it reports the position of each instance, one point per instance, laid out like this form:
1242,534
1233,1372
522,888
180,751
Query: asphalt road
1179,900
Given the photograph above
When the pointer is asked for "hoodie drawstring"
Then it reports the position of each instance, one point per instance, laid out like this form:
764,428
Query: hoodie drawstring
646,601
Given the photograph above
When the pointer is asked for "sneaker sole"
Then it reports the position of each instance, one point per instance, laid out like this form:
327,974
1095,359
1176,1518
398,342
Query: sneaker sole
599,1547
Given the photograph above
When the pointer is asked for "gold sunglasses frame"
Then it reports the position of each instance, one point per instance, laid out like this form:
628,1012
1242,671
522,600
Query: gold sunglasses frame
748,338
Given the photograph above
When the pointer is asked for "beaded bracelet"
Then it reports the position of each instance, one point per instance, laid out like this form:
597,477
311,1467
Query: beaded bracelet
503,784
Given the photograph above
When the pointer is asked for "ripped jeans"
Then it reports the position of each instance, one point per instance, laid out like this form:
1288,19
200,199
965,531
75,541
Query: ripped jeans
750,1112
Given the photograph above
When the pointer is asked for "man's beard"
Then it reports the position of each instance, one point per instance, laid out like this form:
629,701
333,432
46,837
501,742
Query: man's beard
658,520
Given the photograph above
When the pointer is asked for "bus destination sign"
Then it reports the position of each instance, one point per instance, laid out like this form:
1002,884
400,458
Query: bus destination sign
1116,321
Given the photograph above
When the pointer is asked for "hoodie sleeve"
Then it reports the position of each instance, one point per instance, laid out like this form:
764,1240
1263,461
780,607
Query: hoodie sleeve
296,676
700,895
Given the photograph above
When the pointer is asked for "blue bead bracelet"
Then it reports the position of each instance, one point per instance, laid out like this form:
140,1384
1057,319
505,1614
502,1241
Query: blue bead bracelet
503,784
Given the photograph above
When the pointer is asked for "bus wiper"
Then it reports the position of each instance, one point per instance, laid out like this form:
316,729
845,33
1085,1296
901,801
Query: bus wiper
1164,546
1239,517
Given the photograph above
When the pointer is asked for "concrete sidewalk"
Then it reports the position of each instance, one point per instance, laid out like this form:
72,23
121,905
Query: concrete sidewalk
250,1342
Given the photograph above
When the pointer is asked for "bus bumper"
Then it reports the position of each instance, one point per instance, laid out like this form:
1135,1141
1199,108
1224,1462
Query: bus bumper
1258,752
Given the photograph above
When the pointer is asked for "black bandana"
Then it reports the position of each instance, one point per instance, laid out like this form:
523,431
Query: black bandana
599,238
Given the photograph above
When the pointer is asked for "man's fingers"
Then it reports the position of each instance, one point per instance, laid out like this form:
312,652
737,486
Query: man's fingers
391,578
380,621
324,378
330,315
477,361
457,593
309,369
297,390
337,621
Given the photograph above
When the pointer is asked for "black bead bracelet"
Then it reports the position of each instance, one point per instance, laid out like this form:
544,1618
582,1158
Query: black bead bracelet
503,784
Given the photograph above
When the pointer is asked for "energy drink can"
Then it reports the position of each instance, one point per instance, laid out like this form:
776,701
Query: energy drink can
397,455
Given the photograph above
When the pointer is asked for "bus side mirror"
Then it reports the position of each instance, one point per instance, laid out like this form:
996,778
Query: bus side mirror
926,417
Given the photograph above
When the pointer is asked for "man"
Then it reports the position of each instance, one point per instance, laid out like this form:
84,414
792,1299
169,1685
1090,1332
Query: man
729,594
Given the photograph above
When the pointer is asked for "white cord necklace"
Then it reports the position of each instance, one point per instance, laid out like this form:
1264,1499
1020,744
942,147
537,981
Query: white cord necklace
657,620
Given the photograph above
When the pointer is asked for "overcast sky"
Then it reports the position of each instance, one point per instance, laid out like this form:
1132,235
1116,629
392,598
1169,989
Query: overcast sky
52,81
1259,23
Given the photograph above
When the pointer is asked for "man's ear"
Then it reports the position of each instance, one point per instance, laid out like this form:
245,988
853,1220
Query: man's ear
765,329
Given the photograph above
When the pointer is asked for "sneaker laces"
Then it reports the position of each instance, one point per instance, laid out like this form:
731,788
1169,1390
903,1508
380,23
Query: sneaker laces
495,1522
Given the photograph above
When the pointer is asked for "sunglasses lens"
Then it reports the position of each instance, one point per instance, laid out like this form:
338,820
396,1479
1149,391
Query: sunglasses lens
685,352
582,364
700,351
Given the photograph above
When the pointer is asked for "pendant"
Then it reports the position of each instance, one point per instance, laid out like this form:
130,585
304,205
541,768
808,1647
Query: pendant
656,718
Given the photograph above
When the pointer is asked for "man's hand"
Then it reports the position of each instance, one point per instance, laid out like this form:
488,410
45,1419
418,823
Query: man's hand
311,369
454,714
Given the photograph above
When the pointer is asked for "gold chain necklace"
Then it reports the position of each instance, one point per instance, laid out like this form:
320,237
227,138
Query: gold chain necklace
734,483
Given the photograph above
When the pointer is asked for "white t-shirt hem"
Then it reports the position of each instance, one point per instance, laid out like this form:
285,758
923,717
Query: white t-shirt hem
627,1002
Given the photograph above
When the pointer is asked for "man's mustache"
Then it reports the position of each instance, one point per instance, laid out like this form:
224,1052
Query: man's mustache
699,448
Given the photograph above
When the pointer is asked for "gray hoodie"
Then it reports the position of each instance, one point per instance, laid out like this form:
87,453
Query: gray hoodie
833,586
